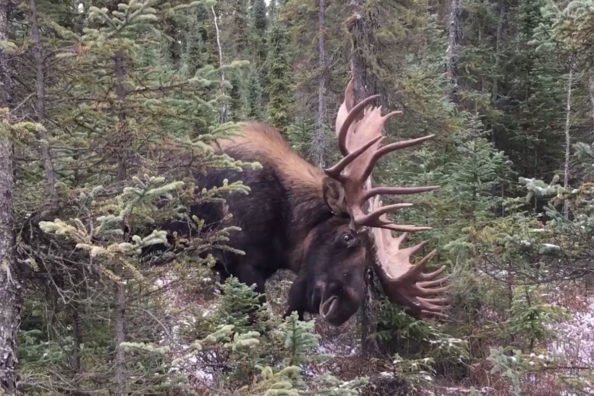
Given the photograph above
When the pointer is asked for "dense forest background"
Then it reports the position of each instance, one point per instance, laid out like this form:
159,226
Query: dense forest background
106,107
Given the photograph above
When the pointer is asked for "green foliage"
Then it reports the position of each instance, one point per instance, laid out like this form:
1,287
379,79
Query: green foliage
508,365
240,305
270,383
254,96
400,333
329,385
417,373
476,172
279,78
530,319
299,340
133,98
121,22
568,28
258,30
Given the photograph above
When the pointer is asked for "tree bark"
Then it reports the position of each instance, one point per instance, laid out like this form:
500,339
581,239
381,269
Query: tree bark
120,301
591,94
319,142
40,107
359,36
121,375
567,138
223,108
10,285
454,37
121,93
76,362
498,44
358,63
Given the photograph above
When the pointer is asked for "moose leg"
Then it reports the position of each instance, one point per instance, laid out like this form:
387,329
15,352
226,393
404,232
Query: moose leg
297,300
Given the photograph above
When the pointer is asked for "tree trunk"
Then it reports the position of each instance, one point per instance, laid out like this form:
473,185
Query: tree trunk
591,93
358,64
223,108
10,286
567,137
123,157
40,108
76,362
319,142
498,44
359,36
454,37
121,376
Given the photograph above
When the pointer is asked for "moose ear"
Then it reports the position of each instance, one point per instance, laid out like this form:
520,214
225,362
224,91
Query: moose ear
334,196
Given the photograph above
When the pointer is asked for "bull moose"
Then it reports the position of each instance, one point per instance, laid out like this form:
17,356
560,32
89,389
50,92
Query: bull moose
324,225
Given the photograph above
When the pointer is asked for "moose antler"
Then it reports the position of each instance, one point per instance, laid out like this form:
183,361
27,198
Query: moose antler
362,144
407,284
359,131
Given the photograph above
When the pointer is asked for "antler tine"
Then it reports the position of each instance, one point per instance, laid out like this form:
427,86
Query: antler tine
374,217
354,113
388,148
436,282
408,288
401,227
435,274
335,170
405,283
383,150
397,191
420,266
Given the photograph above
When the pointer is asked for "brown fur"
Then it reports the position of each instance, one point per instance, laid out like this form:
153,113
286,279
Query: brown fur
260,142
297,256
287,222
263,141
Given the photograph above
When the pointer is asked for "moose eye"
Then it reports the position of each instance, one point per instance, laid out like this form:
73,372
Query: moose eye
348,239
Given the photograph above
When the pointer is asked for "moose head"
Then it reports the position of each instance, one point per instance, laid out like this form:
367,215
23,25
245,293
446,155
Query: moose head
339,248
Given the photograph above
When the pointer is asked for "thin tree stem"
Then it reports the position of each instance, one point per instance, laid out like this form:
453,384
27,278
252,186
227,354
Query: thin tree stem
454,36
120,337
567,138
591,94
318,147
120,73
223,109
40,107
10,283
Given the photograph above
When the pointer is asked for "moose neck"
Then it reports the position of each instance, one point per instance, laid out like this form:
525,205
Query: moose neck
303,201
306,211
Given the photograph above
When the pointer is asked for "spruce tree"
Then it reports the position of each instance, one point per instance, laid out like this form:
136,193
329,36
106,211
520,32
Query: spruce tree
258,32
116,105
124,100
279,78
10,282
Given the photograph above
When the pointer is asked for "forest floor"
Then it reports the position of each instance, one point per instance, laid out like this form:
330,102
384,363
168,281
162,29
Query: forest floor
571,350
569,355
575,336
